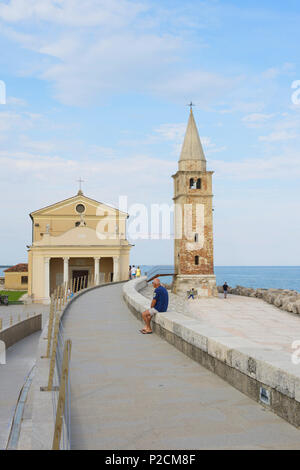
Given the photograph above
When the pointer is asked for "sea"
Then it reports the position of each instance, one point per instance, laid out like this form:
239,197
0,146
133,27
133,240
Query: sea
2,269
265,277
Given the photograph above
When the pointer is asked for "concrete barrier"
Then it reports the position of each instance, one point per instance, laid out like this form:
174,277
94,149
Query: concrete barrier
261,375
13,334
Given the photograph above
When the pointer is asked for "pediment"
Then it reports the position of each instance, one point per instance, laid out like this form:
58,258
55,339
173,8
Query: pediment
68,208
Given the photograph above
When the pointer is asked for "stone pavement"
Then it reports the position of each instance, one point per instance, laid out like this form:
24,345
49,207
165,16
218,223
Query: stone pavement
20,358
270,328
131,391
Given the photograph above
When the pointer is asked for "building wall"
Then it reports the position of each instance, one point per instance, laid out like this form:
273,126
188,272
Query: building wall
14,281
186,248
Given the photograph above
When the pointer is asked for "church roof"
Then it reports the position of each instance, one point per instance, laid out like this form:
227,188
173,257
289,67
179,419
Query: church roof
18,268
192,147
80,197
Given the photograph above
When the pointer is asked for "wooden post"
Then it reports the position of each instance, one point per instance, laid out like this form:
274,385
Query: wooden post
62,395
0,324
11,320
60,297
54,347
50,327
19,318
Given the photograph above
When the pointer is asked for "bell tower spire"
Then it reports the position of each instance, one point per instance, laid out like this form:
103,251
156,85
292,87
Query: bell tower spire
192,155
193,244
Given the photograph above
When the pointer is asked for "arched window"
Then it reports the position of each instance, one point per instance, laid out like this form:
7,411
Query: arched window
197,260
192,183
199,183
196,238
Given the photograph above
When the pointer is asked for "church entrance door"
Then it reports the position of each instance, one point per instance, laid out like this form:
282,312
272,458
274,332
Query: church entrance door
80,278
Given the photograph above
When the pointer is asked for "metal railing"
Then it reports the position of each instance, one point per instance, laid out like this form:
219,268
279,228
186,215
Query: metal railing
158,271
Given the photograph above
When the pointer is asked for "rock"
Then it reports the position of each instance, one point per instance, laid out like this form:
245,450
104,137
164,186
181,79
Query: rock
288,300
279,300
296,307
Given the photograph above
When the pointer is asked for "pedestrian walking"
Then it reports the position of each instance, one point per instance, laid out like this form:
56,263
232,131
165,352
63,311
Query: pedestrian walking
225,290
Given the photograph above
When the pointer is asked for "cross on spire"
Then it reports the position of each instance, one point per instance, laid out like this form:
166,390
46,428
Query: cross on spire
191,104
80,181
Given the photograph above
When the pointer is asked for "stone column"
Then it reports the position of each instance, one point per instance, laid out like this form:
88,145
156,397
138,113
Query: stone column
66,270
97,261
116,269
47,279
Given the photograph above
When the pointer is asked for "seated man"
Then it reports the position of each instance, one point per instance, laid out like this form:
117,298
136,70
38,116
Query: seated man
159,304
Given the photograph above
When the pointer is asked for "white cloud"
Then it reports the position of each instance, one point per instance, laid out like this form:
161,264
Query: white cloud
173,132
76,13
257,119
279,136
285,166
96,47
274,72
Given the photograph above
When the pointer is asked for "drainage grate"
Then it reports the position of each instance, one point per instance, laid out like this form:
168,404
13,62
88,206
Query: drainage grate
264,396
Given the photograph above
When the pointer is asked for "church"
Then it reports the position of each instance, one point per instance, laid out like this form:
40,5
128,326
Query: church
76,238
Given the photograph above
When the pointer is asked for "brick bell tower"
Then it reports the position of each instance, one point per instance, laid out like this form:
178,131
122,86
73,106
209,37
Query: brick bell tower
193,219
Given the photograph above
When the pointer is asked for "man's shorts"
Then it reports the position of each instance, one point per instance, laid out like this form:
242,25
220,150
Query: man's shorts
152,311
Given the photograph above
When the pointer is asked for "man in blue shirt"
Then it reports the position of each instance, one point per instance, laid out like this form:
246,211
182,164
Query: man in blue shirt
159,304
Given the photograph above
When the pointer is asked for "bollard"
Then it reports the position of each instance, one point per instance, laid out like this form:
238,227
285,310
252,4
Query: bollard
54,347
50,327
62,395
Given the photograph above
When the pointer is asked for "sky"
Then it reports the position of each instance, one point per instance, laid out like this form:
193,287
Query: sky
98,89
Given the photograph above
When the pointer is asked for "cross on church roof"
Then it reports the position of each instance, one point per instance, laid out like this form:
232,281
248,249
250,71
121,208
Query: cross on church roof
80,181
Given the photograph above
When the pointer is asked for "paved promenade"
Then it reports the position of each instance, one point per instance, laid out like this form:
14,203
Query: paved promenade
246,318
131,391
20,358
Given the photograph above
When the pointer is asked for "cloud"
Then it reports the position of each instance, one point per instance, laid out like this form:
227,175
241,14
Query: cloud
284,166
74,13
278,136
173,132
274,72
206,87
257,119
94,48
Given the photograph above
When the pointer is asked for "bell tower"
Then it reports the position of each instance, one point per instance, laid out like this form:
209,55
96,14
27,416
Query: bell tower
193,244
